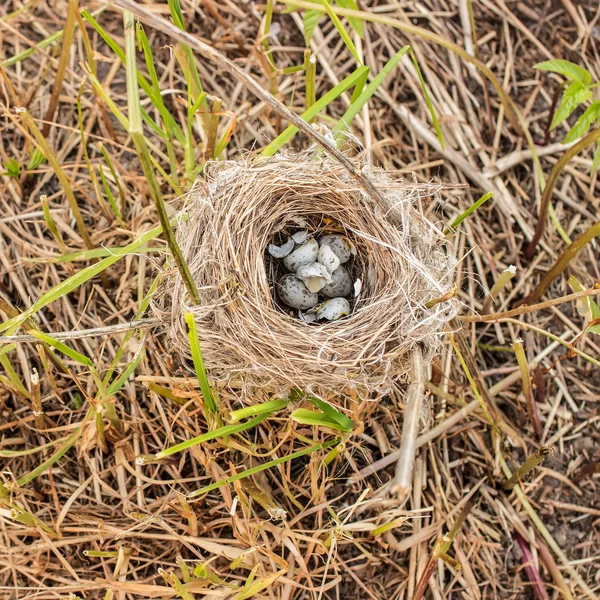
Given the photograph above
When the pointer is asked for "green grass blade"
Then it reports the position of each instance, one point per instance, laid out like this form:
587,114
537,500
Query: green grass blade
356,106
342,31
220,432
434,119
83,255
456,223
258,409
69,442
315,109
189,65
78,279
264,467
13,377
140,313
109,194
155,97
61,347
113,172
332,413
141,147
199,363
355,23
315,418
119,382
30,451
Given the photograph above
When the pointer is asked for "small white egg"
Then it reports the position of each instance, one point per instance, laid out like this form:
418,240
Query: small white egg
341,246
281,251
341,284
328,258
294,293
305,254
334,309
314,276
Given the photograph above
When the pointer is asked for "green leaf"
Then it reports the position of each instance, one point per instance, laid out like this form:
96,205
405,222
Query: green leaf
315,418
311,20
224,431
357,104
342,31
76,356
78,279
566,68
263,467
586,307
199,363
355,23
13,169
37,159
333,413
286,135
456,223
582,124
574,95
434,119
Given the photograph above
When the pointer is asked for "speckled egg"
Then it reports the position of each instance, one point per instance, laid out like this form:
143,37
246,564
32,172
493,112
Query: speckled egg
294,293
341,246
328,258
333,309
341,284
303,255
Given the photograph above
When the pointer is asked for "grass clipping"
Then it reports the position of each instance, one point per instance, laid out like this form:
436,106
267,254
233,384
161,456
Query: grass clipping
402,261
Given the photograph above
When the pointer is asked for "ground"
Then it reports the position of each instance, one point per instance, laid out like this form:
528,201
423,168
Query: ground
81,515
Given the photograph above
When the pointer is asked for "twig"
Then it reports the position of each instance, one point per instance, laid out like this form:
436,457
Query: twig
222,61
524,308
85,333
563,261
406,460
562,162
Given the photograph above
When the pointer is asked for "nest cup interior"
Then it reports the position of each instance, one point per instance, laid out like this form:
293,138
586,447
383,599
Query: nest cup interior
317,226
246,333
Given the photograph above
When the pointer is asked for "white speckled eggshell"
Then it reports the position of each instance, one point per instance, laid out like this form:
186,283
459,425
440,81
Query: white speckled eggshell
341,284
294,293
340,246
305,254
314,276
334,309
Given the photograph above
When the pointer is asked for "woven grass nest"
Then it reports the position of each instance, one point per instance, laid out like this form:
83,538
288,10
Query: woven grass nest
247,335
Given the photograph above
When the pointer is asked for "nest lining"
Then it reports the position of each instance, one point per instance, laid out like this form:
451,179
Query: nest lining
232,216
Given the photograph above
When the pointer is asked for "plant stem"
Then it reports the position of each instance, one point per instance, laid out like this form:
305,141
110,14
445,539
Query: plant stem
410,429
533,460
44,147
440,551
534,416
515,312
137,136
564,160
240,74
563,261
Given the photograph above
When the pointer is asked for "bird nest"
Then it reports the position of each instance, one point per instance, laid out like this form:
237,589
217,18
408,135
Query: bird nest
247,335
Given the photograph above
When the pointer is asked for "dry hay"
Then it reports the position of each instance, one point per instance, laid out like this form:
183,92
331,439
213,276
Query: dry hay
402,261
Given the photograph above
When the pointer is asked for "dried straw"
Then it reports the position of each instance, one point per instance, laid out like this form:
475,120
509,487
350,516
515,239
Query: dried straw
402,261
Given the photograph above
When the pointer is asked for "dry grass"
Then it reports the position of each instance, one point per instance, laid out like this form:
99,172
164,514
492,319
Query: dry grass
79,516
401,260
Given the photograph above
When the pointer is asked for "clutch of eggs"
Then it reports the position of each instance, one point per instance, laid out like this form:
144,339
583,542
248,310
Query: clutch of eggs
316,272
